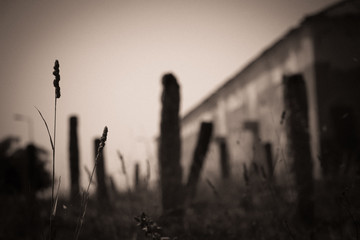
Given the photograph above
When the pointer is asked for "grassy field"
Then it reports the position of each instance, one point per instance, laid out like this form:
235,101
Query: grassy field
256,211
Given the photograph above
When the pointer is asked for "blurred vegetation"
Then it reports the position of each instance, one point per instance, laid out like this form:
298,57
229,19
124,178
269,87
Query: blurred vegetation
22,169
258,209
22,176
250,208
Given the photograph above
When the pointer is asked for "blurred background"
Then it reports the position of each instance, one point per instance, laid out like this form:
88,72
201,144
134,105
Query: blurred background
112,56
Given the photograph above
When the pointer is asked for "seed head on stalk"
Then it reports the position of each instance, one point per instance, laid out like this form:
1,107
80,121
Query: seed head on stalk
56,73
86,194
54,202
103,139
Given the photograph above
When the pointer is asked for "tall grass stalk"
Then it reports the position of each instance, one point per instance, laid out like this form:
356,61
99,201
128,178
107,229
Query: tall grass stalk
56,198
88,172
56,73
123,170
213,188
52,212
56,81
53,157
85,198
127,182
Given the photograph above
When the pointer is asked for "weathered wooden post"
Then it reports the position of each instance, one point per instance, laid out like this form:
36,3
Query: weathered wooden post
259,166
269,160
172,196
74,159
137,177
100,174
224,158
198,158
297,126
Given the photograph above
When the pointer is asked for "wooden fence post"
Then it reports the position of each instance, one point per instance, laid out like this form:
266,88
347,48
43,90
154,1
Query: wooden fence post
172,196
137,177
198,158
74,159
269,160
224,158
297,126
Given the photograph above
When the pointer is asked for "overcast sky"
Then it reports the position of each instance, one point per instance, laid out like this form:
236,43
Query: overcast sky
112,56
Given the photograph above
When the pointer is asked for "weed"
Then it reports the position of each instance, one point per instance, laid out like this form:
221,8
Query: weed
53,206
85,197
151,229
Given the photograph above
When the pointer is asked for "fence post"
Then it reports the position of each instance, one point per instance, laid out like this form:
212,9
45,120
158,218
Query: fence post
172,196
224,158
198,158
297,126
102,193
269,160
74,159
137,177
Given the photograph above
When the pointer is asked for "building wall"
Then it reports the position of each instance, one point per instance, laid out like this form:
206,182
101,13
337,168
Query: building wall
253,95
337,54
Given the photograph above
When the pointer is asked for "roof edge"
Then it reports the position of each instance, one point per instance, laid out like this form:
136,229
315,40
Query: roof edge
306,19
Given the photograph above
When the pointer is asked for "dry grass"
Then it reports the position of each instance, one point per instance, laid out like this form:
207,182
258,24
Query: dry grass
85,198
54,201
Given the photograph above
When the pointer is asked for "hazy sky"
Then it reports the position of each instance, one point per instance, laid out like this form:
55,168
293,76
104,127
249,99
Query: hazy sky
112,56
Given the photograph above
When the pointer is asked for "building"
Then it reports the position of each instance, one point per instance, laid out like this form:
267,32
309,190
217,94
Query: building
248,111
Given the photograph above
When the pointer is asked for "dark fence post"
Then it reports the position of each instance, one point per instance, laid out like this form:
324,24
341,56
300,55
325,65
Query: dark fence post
74,159
137,177
100,174
201,149
269,160
259,165
224,158
297,126
169,152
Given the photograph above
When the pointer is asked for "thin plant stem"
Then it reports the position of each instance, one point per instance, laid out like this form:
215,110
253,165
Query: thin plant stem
53,181
123,170
53,169
85,197
56,73
52,142
52,212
